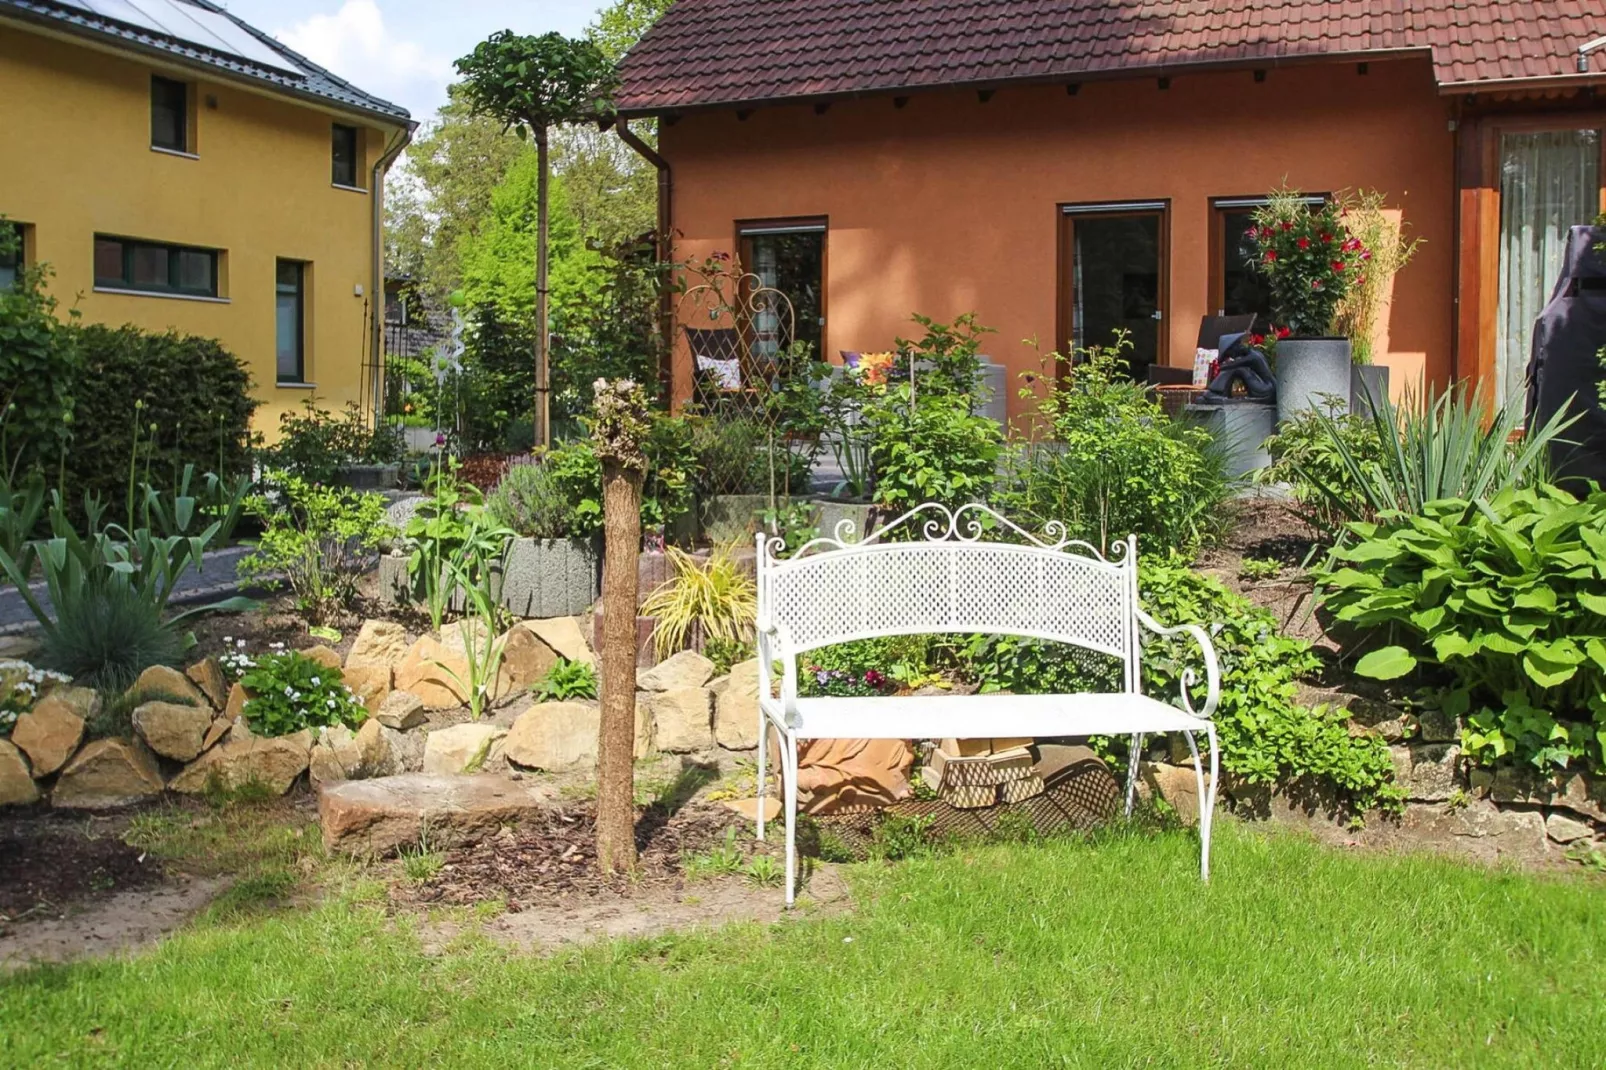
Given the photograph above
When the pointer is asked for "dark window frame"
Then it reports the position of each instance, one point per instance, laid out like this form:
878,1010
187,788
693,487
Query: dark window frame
354,135
174,287
748,229
1220,243
1067,213
300,291
186,142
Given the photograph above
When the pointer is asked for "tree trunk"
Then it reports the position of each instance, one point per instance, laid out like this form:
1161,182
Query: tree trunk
541,417
616,815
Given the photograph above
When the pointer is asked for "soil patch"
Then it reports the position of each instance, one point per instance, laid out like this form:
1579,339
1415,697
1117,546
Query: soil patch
51,861
117,923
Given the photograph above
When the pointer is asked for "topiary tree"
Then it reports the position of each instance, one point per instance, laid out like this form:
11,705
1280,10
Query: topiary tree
621,425
531,84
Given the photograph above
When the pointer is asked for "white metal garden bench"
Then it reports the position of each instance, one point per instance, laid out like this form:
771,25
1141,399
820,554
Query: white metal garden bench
955,578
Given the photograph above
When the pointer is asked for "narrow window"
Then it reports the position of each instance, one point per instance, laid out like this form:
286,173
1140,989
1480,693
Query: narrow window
152,267
290,321
1236,288
170,114
344,154
11,261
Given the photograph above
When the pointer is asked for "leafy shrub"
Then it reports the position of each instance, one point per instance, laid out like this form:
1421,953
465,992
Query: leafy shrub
1308,257
727,652
843,683
665,495
290,691
1034,666
565,680
315,444
1506,600
497,384
1114,463
531,502
733,456
189,397
716,597
449,539
1309,453
323,539
38,371
1266,737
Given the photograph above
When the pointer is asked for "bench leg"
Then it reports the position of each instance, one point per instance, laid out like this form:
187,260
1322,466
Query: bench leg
1132,773
1204,817
1207,806
789,790
763,756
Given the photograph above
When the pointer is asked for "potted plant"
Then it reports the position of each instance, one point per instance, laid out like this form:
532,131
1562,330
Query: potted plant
1384,238
553,566
1309,260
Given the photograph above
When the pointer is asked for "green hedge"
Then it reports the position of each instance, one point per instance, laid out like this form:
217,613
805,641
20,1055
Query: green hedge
191,399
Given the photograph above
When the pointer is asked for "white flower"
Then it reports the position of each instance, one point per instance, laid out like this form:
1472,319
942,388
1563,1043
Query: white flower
315,681
288,690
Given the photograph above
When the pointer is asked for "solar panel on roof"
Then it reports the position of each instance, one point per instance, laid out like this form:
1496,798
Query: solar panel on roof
192,25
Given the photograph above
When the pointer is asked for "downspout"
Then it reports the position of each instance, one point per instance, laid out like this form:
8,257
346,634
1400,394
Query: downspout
665,250
376,291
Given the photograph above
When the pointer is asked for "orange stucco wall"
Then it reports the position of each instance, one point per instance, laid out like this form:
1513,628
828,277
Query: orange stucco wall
949,204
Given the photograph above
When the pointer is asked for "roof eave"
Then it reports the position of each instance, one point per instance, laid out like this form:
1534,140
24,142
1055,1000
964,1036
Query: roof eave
1057,78
112,43
1507,85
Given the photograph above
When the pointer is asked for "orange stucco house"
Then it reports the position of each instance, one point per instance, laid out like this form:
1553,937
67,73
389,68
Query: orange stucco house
1065,167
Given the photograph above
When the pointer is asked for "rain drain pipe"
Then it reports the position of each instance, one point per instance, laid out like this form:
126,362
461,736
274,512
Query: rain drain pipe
664,251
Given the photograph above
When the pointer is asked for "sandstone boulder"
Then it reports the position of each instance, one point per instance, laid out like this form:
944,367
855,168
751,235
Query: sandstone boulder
384,751
558,736
379,644
160,681
685,669
207,675
681,719
375,817
219,728
461,748
323,655
736,708
401,710
271,764
16,783
1584,795
172,730
370,683
564,635
1177,785
427,670
335,756
525,660
107,773
234,709
18,648
49,733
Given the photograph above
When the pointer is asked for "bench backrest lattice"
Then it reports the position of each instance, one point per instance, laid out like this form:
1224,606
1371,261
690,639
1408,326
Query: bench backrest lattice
971,571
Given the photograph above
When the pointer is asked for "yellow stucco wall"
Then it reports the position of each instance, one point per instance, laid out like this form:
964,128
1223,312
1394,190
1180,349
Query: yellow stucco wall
75,127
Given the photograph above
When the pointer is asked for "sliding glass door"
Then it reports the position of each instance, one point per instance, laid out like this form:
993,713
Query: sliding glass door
1549,181
1113,279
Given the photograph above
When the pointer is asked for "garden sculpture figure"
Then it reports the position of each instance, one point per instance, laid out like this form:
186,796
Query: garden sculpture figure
1239,361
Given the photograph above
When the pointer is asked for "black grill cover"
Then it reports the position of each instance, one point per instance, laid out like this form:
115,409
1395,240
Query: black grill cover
1566,363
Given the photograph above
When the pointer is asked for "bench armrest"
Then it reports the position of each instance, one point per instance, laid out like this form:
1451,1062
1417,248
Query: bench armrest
1212,668
773,646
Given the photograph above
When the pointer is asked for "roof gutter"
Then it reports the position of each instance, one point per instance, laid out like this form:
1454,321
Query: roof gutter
376,300
665,251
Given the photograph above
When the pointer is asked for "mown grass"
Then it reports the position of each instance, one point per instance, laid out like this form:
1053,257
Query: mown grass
1053,954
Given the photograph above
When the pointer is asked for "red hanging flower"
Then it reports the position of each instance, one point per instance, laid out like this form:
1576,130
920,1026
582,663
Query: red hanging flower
1304,243
1338,265
1287,226
1257,340
1284,332
1271,255
1327,239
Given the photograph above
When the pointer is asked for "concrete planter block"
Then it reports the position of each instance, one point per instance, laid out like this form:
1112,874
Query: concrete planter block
1242,428
551,577
369,476
732,518
393,582
828,513
1311,372
1366,382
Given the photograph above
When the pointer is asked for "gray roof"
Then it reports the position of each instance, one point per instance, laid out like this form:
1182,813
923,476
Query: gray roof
315,83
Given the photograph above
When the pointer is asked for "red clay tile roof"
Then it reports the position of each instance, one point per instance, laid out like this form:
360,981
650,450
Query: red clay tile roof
726,52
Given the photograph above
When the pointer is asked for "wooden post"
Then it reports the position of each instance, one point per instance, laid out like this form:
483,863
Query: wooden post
622,420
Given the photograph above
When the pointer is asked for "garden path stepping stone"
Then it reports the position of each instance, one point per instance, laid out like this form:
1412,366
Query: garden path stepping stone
377,816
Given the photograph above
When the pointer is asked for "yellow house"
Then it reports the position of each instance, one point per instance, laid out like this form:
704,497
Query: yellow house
179,169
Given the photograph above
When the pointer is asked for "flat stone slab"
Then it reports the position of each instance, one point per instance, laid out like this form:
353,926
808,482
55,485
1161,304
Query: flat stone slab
375,817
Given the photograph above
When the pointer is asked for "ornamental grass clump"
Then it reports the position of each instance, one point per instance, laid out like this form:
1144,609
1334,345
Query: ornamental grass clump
715,596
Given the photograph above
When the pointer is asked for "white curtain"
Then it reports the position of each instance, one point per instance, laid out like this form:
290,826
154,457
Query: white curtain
1549,181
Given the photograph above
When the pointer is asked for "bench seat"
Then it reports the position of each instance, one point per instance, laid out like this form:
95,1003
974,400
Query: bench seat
966,716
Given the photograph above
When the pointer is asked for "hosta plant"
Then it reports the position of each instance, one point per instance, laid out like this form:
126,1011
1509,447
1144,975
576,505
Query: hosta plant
1502,602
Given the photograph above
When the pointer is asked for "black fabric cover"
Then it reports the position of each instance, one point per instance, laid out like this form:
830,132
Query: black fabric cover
1566,366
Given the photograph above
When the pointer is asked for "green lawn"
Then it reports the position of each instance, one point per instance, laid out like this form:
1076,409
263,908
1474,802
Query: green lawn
1062,954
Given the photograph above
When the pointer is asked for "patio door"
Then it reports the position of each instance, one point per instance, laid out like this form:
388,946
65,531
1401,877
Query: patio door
1550,181
1113,279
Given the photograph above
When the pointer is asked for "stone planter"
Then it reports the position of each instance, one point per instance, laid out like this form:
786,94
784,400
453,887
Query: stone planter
1367,381
1241,427
732,518
369,476
1311,374
551,577
829,512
